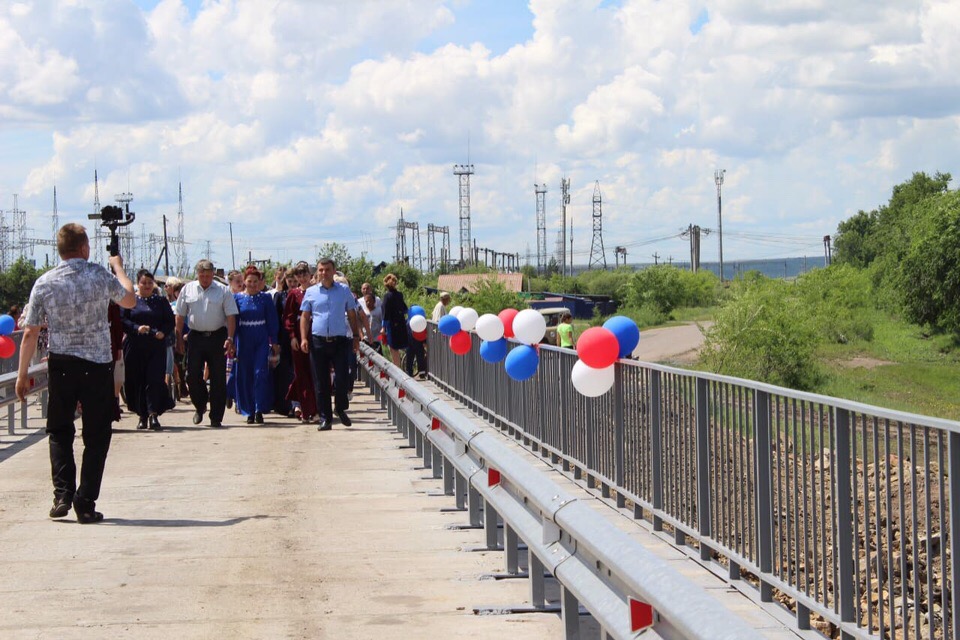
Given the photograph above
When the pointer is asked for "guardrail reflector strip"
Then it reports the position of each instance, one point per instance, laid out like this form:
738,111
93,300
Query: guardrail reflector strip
402,393
383,375
493,477
641,615
435,424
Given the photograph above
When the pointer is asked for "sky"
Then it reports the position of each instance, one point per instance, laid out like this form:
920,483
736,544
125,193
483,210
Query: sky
297,123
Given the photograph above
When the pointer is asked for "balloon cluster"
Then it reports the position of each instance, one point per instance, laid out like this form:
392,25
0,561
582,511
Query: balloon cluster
457,325
7,346
418,322
598,349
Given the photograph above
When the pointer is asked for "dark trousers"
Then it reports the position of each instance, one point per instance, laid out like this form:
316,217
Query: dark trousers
416,351
324,354
74,380
206,348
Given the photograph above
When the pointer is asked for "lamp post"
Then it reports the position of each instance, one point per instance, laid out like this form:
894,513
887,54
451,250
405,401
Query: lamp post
718,178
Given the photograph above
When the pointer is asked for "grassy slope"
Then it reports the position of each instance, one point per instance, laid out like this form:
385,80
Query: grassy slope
923,374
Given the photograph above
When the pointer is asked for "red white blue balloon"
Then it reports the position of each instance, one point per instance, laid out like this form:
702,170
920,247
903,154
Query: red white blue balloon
489,327
494,351
529,326
591,382
627,333
449,325
468,318
417,310
418,324
522,363
7,325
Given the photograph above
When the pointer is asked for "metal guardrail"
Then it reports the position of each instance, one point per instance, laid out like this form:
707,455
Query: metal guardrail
8,383
599,566
837,509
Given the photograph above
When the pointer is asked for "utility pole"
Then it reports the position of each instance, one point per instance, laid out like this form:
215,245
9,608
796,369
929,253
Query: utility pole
827,252
233,256
564,201
540,190
718,179
656,259
463,172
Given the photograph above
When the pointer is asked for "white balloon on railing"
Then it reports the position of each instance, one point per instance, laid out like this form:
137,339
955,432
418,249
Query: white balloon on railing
489,327
455,311
468,318
529,326
418,324
591,382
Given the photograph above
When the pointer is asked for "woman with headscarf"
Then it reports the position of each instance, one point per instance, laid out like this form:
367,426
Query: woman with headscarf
255,341
146,326
301,389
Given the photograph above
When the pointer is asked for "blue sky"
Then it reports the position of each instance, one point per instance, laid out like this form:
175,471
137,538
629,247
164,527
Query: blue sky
335,115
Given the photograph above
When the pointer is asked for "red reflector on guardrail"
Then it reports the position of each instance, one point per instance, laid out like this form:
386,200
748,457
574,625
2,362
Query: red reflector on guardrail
402,393
435,424
383,374
493,477
641,615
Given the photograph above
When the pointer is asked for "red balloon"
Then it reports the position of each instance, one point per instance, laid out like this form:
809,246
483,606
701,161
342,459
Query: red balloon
7,347
506,317
420,335
598,347
460,343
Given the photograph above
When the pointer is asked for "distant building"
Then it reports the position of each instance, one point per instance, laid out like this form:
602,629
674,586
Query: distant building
456,283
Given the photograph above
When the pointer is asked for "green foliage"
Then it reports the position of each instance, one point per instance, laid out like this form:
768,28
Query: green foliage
839,302
855,242
929,274
665,287
763,333
16,282
337,251
491,296
615,284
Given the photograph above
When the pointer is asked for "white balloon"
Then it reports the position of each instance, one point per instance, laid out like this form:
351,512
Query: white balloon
489,327
529,326
468,318
591,382
455,311
418,324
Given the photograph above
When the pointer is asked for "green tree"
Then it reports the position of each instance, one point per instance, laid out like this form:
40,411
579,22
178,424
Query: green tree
16,282
855,242
491,296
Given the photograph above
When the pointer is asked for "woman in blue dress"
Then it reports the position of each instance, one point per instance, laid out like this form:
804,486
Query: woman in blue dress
146,326
255,339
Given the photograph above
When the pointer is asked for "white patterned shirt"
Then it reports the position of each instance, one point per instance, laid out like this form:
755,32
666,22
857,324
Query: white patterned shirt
72,299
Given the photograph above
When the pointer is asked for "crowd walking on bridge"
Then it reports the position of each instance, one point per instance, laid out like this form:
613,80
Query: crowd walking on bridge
289,349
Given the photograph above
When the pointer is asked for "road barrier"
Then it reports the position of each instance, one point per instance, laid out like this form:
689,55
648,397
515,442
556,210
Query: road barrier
625,587
8,383
839,510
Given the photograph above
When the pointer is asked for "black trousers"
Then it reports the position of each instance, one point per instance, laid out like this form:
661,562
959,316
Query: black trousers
416,350
325,355
206,348
74,380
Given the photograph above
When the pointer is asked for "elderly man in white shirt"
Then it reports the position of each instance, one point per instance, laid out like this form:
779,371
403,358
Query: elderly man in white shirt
441,309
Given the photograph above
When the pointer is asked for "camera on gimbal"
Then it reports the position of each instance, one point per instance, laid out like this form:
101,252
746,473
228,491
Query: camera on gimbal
113,217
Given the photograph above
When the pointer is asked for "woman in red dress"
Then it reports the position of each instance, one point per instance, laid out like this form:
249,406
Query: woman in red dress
301,389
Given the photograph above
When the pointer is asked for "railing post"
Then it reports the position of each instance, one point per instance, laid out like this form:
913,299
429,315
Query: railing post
954,480
618,437
704,519
511,550
537,592
846,590
656,450
763,490
570,614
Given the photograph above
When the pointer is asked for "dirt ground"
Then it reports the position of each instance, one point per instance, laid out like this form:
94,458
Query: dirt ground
674,345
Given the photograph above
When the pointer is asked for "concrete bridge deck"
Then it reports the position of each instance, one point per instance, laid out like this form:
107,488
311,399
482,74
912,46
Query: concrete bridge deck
262,531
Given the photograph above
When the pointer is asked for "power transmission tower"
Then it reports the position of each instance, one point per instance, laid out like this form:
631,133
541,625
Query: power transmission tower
100,238
434,260
56,218
127,239
541,192
564,201
179,246
597,255
463,172
19,229
414,257
718,179
4,241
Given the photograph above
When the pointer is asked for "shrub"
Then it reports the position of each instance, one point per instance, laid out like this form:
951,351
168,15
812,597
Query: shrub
665,287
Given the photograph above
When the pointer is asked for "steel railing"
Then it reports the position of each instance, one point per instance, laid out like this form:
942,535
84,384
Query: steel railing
597,565
8,382
839,510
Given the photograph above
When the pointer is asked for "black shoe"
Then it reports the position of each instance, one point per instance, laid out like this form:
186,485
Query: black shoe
258,417
250,419
197,417
142,424
89,517
61,507
155,424
229,403
344,418
324,425
216,424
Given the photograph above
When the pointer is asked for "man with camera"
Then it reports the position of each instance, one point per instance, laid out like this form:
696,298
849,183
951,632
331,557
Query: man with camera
72,300
210,310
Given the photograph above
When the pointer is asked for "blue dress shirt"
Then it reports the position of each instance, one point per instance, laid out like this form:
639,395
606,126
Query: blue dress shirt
328,309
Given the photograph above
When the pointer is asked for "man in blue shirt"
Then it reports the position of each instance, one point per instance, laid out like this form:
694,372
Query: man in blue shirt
326,308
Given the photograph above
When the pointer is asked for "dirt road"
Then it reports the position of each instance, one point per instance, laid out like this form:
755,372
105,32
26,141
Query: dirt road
678,345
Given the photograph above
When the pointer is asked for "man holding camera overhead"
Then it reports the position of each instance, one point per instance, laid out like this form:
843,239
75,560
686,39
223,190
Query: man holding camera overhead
72,300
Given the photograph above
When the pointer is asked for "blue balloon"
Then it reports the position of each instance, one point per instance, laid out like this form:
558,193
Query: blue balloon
7,325
449,325
627,332
493,350
416,310
522,363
